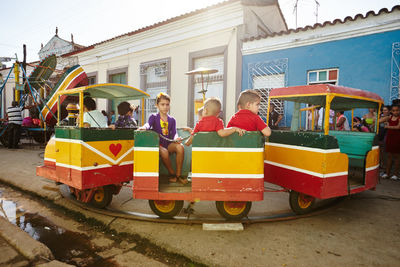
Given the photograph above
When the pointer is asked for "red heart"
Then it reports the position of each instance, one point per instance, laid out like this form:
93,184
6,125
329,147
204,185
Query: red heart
115,149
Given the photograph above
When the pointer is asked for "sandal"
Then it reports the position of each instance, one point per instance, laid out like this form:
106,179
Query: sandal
182,180
172,178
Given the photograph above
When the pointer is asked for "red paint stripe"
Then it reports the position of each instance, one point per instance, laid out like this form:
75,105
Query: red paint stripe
322,188
94,178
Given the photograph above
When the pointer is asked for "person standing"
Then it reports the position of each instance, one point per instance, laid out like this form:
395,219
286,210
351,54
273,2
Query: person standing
14,115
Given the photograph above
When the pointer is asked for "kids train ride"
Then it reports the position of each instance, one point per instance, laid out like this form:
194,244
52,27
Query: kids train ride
310,163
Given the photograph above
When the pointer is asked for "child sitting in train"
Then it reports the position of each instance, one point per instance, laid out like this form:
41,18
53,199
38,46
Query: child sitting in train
210,122
246,118
125,119
165,126
91,116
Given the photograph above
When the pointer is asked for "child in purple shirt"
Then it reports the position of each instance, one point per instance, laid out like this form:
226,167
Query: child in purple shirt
165,125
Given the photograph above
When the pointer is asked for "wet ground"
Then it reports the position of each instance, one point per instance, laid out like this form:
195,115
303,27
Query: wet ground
87,244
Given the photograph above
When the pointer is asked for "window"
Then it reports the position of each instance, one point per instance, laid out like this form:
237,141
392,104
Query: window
214,83
92,80
264,84
329,76
119,75
155,78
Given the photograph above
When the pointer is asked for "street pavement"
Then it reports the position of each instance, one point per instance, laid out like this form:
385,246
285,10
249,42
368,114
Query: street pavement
350,234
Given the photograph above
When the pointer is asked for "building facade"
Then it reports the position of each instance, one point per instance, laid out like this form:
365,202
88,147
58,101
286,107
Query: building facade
361,52
156,58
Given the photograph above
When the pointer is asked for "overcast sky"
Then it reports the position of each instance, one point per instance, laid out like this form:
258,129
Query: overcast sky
90,21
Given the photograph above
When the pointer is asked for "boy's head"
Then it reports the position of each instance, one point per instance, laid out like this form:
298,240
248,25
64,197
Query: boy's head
249,99
89,103
212,107
124,108
200,112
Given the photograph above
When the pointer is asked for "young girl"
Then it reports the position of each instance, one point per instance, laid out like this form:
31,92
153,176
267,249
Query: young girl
392,142
165,125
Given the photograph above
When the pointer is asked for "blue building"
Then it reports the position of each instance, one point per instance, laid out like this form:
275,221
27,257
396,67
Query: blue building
361,52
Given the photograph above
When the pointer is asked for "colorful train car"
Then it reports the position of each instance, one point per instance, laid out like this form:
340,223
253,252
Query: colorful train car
93,162
322,162
227,170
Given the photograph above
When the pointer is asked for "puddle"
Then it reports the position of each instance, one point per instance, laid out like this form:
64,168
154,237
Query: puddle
66,246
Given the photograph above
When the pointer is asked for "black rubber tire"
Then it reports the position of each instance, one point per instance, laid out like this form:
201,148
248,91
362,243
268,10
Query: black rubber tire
297,204
102,197
170,212
40,138
229,216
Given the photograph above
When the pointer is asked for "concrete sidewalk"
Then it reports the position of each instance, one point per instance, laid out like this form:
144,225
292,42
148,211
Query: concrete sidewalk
313,241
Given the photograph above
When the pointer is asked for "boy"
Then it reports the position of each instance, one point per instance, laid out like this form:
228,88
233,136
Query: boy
210,122
246,118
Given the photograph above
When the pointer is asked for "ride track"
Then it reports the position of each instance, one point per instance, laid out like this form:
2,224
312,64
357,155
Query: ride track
189,219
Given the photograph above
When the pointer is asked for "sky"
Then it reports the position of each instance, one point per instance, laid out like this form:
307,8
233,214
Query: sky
91,21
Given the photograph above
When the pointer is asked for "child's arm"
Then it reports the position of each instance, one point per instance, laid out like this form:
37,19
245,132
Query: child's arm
396,127
228,131
266,131
189,141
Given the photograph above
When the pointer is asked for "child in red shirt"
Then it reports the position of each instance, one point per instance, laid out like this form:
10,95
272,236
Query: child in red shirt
211,123
246,118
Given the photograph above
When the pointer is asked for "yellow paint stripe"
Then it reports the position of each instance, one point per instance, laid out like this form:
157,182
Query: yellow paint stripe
307,160
372,158
77,154
227,162
146,161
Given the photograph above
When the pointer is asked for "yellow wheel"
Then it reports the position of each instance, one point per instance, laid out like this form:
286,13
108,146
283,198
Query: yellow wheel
233,210
301,203
166,208
102,197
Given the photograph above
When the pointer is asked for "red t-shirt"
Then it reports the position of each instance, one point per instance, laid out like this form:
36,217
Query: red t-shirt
209,124
247,120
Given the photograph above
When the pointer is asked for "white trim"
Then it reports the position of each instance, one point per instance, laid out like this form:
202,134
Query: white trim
228,149
319,150
98,152
50,159
372,168
375,147
88,168
328,33
126,163
145,174
228,175
147,149
320,175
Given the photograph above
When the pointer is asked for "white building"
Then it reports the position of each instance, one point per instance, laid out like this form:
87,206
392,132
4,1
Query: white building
155,58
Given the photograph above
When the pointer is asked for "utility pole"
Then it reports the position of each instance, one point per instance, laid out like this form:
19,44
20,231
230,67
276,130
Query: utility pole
316,11
295,11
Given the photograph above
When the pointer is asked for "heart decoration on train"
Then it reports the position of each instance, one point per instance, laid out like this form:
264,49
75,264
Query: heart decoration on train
115,149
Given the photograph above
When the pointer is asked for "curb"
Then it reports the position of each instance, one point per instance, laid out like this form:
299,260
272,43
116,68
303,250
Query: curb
30,248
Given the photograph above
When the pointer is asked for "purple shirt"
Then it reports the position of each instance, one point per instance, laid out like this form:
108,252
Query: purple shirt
154,124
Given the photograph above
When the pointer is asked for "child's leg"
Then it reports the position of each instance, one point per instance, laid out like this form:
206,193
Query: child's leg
165,159
396,164
389,162
179,150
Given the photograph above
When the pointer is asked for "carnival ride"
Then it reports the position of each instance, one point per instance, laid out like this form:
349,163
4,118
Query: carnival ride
316,164
33,90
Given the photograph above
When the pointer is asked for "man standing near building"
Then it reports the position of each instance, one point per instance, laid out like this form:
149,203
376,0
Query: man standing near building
14,115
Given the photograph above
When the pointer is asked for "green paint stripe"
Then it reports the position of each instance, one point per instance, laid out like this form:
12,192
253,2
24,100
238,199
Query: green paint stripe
146,139
212,139
306,139
87,134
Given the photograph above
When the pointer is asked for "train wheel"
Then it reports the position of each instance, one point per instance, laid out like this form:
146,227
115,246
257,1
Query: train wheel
102,197
166,208
233,210
301,203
